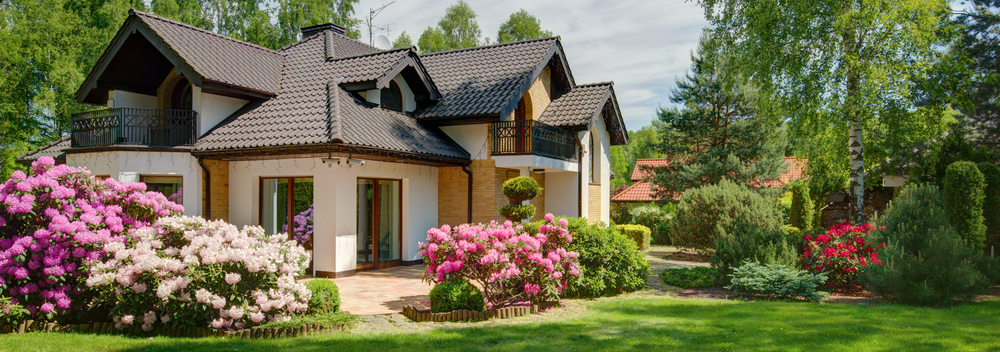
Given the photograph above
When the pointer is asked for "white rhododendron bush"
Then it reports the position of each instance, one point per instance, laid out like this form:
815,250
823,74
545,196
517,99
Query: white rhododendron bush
188,272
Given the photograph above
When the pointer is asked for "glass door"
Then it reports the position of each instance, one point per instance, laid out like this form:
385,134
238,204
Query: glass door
379,226
286,206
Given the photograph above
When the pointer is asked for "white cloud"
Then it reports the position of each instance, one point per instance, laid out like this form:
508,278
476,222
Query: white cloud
640,45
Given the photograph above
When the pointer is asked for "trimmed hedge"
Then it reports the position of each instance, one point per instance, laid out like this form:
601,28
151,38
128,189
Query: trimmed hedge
964,188
991,204
517,212
637,233
708,213
325,297
456,294
521,188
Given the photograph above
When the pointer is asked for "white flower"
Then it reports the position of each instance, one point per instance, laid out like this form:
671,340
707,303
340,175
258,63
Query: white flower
232,278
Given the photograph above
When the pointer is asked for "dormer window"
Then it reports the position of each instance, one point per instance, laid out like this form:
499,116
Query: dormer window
392,97
181,98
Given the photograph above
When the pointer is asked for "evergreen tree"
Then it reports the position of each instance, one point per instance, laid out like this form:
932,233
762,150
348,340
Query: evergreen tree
719,132
521,26
979,49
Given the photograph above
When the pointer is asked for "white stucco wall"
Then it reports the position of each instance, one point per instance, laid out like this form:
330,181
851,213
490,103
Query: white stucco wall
409,102
123,99
214,109
335,203
561,193
472,138
602,167
128,166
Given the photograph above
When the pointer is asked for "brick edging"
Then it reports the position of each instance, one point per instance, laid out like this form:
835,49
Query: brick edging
468,315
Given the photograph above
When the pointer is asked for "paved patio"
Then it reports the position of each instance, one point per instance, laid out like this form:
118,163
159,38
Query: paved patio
383,291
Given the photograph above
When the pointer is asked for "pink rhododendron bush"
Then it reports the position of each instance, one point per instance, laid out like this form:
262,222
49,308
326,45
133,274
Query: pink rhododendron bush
188,272
510,265
55,221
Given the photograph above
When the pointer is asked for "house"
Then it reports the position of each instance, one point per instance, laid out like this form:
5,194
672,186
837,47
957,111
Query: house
379,145
642,191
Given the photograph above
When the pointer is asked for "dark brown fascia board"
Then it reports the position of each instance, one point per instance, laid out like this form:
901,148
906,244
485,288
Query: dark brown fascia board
555,49
325,149
359,86
410,60
128,148
132,25
459,120
231,88
598,113
618,113
610,98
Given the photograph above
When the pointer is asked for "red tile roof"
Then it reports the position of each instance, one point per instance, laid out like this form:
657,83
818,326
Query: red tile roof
643,191
638,192
796,171
638,174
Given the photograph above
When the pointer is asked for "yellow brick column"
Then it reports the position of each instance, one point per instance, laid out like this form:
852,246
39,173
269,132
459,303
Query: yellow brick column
219,179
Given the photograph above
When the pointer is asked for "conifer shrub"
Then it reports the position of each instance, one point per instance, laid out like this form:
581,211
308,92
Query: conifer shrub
748,242
325,297
637,233
657,220
991,204
802,214
456,294
963,200
926,261
708,213
776,281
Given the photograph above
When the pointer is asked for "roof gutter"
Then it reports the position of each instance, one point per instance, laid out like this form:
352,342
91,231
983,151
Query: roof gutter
208,188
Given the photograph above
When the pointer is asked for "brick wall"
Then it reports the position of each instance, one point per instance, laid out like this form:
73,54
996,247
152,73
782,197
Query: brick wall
594,203
540,94
502,176
539,201
453,189
219,172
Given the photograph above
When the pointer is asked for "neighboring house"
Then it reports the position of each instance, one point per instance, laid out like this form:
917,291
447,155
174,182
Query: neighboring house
642,191
380,144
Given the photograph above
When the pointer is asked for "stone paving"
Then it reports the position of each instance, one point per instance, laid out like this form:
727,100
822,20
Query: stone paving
383,291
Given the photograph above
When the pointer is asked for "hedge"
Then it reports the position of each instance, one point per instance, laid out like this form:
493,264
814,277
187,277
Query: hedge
641,235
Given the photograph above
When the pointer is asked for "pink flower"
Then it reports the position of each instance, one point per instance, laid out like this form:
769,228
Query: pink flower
128,319
46,307
549,217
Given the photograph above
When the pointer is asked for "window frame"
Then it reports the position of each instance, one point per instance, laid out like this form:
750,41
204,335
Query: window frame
377,264
142,178
393,87
289,206
595,179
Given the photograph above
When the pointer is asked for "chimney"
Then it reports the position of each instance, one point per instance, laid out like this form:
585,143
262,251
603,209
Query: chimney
311,30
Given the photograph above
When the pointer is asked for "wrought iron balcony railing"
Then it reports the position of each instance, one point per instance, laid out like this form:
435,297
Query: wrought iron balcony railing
135,126
519,137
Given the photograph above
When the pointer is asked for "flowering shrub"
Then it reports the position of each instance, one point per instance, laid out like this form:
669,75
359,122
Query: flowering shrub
56,220
177,197
10,313
841,252
510,265
188,272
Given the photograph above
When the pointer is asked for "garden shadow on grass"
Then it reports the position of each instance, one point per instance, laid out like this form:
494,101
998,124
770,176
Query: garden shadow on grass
636,324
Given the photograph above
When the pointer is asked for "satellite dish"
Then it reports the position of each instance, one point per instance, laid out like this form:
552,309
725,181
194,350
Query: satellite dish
382,42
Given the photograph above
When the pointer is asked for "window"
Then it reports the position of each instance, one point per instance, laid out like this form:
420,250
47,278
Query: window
181,97
594,178
171,186
284,201
392,97
379,226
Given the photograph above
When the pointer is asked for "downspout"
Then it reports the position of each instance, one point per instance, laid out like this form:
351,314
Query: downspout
208,188
468,172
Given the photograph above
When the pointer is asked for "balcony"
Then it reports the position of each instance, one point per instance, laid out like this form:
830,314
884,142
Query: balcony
529,137
134,126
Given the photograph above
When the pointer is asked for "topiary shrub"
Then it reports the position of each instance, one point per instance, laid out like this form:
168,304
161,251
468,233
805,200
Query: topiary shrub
963,200
747,242
708,213
991,204
637,233
776,281
54,223
456,294
926,261
802,207
518,190
657,220
325,297
610,263
697,277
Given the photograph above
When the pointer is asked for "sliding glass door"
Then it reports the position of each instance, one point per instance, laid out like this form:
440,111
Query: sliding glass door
284,201
379,226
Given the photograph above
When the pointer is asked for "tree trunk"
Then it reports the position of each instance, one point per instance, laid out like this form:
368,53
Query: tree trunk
857,160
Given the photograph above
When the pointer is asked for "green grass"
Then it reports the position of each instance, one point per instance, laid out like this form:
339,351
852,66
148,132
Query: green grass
633,324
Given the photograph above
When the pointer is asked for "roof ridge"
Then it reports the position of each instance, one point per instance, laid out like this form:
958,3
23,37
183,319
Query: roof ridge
557,38
188,26
605,83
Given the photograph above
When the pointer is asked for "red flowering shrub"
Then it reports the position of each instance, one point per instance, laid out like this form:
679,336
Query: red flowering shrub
841,252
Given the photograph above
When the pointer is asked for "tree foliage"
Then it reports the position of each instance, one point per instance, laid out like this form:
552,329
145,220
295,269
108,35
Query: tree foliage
842,71
978,48
964,188
456,30
721,130
402,41
521,26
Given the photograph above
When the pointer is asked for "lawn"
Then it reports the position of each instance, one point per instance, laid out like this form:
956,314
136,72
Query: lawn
648,324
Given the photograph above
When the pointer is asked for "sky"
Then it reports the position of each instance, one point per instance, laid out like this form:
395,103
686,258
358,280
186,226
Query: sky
641,45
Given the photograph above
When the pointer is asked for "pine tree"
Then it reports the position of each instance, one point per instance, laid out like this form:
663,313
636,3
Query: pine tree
720,130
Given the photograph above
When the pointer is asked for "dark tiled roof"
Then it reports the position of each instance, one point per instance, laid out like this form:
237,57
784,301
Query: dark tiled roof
218,58
301,115
367,67
54,149
481,80
578,106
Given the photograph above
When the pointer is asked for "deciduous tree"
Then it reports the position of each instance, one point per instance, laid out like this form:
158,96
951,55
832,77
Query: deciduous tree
521,26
